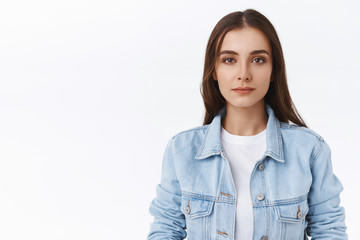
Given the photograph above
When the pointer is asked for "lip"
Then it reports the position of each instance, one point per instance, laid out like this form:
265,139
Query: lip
244,90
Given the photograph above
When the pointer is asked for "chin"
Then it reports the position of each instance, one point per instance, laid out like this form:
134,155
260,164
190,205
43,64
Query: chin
243,104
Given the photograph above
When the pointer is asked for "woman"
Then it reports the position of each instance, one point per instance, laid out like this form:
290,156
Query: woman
254,170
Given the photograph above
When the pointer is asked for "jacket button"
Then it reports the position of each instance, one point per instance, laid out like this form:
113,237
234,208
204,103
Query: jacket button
260,197
299,215
261,166
187,209
264,238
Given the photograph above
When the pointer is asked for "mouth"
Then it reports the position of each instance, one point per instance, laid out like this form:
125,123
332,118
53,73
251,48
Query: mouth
243,90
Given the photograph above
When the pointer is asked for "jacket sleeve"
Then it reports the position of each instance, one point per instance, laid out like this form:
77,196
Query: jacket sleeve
169,221
326,218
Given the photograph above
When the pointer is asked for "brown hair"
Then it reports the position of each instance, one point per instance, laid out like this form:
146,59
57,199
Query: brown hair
278,96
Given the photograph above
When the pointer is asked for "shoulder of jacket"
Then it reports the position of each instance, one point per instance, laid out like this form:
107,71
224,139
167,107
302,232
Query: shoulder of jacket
305,130
313,139
198,130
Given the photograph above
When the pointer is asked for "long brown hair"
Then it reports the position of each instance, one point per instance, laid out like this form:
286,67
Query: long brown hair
278,96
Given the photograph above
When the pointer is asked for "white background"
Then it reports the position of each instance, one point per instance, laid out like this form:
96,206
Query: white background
91,91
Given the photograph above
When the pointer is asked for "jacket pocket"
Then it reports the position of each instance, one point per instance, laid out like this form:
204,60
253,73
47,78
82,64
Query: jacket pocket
291,219
197,211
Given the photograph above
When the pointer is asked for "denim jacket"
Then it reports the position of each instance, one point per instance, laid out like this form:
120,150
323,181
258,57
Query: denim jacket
293,188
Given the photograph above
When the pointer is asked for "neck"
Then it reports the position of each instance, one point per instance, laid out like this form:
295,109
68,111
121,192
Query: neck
245,121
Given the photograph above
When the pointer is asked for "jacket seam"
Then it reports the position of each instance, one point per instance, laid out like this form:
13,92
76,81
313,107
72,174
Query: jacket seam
301,128
174,160
317,154
336,195
279,202
197,196
193,129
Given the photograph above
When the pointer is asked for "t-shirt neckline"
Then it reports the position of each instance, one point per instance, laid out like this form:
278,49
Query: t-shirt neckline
244,140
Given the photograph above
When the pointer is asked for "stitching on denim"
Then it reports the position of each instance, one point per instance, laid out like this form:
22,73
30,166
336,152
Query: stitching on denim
266,200
197,196
234,222
173,158
282,232
268,225
217,220
222,177
208,198
202,213
203,226
274,156
265,190
278,133
219,198
204,142
291,200
301,128
233,184
312,161
281,202
222,171
193,129
210,154
291,219
221,185
206,219
204,127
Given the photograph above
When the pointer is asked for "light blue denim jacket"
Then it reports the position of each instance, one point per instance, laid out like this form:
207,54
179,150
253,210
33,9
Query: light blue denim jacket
293,188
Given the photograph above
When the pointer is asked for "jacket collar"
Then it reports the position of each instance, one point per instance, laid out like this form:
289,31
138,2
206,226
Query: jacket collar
211,143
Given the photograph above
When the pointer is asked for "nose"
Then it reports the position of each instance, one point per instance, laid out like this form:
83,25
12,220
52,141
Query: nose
244,73
247,78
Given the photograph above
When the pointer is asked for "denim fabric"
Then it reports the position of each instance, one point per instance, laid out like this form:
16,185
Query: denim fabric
293,188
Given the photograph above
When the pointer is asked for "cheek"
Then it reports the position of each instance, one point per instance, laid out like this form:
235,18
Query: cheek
224,87
227,75
262,76
264,71
225,81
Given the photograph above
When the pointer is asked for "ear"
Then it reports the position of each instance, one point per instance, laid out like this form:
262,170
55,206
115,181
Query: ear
214,76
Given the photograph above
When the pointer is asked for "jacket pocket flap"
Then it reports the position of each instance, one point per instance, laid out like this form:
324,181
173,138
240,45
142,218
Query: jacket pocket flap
196,207
294,212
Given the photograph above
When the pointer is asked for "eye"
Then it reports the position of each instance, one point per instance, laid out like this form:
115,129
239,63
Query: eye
259,59
225,60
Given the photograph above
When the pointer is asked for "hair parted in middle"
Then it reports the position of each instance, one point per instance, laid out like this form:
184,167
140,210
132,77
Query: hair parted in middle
278,96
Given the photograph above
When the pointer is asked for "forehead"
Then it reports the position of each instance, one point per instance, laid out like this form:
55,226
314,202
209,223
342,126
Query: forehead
245,40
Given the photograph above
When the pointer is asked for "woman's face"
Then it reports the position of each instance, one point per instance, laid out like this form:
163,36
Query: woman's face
244,61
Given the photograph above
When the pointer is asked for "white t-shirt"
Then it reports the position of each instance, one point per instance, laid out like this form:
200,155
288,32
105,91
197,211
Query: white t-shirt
242,153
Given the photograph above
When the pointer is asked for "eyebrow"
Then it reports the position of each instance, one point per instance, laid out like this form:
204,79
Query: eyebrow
252,53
